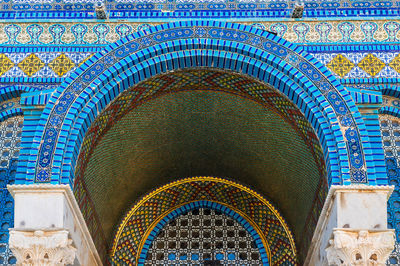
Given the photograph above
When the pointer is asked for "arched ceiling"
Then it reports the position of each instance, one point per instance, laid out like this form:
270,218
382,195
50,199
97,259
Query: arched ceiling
212,124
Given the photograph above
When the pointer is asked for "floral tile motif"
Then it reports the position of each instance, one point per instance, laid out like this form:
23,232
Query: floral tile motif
340,65
61,65
371,64
5,64
31,65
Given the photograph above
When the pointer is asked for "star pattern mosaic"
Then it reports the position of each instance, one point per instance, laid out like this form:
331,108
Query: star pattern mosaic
31,64
390,131
395,63
203,235
10,142
371,65
349,65
5,64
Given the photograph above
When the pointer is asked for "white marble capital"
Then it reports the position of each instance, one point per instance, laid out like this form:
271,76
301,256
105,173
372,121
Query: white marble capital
48,220
42,248
360,247
352,227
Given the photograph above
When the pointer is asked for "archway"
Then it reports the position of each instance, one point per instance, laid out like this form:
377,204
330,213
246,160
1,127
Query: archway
198,122
265,227
319,112
327,106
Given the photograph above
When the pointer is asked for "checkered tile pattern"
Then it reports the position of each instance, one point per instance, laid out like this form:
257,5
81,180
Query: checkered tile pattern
203,237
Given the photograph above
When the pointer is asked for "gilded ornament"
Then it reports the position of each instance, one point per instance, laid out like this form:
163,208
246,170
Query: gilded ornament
5,64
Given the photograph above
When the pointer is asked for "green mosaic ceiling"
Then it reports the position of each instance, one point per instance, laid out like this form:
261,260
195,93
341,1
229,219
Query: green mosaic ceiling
199,131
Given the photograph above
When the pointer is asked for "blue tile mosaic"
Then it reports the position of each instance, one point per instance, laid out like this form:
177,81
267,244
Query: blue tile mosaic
225,31
10,131
179,9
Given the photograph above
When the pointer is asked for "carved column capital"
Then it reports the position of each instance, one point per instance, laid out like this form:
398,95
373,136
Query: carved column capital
360,247
42,247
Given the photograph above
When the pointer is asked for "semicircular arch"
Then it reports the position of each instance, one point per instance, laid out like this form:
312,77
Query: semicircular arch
250,51
136,229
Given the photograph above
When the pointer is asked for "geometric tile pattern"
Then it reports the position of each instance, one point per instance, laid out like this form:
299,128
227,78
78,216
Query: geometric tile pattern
10,140
318,32
5,64
140,218
203,235
394,258
371,64
390,130
340,65
395,63
346,65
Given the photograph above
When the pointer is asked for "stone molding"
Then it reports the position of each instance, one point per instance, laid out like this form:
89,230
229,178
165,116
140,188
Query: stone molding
42,247
360,247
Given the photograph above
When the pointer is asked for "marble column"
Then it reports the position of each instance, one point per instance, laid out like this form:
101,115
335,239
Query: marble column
49,228
352,228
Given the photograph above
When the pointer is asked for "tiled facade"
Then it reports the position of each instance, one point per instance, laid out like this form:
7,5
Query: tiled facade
334,79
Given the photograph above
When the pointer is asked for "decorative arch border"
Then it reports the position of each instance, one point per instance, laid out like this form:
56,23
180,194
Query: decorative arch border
251,51
9,92
253,230
9,101
140,224
391,91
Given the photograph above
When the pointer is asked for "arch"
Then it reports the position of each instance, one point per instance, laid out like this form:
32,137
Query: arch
393,93
9,101
10,113
251,229
138,227
9,92
251,51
